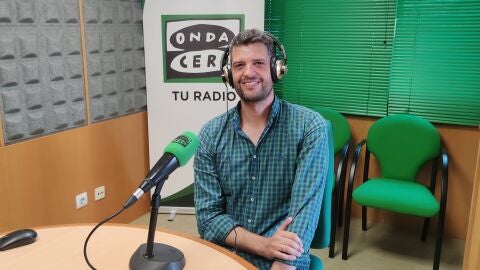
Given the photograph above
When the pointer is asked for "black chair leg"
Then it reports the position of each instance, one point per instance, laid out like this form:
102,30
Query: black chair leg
426,223
364,218
341,197
438,242
333,228
346,228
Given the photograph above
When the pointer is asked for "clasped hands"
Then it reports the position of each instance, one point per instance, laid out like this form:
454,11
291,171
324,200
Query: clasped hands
283,245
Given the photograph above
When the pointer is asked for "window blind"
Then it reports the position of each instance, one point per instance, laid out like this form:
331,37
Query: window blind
339,54
436,61
274,23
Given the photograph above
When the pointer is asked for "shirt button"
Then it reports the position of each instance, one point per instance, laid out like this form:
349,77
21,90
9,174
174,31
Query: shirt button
249,221
253,177
252,199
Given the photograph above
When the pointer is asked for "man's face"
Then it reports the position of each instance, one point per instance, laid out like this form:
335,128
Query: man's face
251,72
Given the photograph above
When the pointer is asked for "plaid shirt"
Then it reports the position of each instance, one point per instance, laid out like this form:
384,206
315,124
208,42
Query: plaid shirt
258,187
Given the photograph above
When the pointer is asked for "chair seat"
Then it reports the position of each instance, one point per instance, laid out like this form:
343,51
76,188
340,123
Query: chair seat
398,196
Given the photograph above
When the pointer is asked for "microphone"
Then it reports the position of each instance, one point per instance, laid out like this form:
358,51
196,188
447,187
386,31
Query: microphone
176,154
153,255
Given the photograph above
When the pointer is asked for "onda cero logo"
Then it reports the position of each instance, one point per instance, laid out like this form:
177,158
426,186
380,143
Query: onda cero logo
194,45
182,140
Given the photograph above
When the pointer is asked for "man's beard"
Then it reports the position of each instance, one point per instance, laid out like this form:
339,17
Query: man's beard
260,96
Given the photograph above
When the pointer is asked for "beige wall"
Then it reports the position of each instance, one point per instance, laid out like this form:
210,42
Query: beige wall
39,178
462,144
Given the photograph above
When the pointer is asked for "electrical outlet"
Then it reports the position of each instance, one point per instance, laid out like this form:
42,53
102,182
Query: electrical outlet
81,200
99,193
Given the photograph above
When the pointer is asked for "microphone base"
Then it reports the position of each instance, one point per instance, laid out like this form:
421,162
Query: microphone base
164,257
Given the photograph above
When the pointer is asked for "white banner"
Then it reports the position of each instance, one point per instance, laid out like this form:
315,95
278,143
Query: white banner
184,43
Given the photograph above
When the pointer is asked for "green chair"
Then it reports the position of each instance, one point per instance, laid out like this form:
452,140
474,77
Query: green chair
341,146
321,238
402,144
315,263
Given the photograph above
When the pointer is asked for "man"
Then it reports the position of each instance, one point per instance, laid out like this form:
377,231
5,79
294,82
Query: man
260,169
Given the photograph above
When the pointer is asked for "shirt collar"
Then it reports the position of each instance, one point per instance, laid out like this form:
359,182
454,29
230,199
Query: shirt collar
274,112
271,118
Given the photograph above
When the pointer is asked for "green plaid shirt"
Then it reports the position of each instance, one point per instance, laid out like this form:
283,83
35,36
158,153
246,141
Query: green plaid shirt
258,187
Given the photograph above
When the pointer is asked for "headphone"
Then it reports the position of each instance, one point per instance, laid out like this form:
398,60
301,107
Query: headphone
278,67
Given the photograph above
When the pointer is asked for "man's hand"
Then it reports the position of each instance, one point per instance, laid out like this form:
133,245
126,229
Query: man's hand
283,244
281,266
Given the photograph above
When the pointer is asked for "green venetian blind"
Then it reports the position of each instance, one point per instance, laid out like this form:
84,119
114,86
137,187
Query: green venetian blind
339,54
436,61
274,23
274,17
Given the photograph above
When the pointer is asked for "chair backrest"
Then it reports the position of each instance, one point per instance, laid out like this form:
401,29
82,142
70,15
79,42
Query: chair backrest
402,144
321,238
340,127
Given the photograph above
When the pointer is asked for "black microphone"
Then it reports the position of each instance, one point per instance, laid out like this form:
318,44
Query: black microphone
176,154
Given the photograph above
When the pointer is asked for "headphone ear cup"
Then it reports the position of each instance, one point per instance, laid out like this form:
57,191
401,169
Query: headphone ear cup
273,69
280,69
226,71
230,77
227,76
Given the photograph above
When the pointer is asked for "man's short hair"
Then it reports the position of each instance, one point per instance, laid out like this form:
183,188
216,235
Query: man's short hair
251,36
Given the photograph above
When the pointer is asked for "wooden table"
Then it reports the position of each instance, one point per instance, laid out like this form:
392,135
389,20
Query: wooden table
110,247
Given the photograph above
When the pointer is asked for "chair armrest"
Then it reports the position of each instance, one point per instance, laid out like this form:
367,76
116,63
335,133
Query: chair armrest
353,166
342,163
443,190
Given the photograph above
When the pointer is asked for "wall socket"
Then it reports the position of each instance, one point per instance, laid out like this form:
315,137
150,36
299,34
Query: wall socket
99,193
81,200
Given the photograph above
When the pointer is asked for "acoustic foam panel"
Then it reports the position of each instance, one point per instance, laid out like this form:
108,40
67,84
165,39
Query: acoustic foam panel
115,58
41,84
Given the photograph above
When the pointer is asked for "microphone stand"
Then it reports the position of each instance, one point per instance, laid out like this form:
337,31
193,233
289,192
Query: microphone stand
156,256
